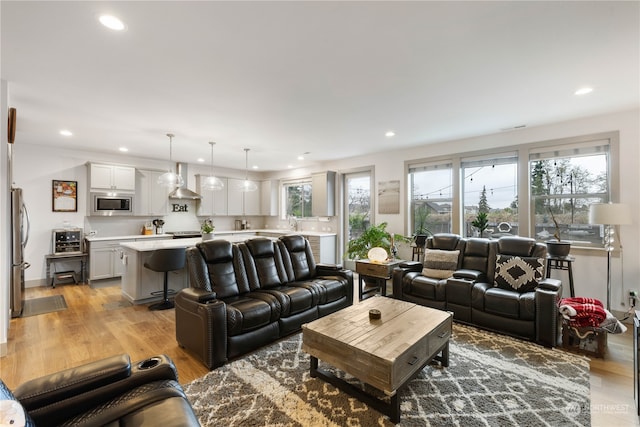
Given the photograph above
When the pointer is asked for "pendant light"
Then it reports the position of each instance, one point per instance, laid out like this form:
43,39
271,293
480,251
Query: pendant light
212,183
247,185
170,179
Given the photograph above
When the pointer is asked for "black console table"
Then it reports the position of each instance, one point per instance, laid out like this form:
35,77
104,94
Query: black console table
561,263
53,258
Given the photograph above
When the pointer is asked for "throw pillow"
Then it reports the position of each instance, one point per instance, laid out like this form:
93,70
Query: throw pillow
521,274
440,264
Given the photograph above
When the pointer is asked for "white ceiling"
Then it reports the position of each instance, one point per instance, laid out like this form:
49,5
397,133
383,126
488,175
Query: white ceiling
327,78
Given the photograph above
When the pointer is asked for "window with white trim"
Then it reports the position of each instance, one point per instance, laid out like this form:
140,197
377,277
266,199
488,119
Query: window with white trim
431,197
297,198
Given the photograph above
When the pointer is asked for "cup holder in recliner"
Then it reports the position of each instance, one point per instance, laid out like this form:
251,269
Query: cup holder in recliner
149,363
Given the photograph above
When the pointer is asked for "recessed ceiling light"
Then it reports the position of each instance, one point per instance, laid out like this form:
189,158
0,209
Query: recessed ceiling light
200,160
290,166
123,149
65,132
300,157
389,134
255,167
584,91
111,22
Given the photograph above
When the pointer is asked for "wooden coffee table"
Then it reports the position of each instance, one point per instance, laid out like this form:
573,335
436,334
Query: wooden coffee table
384,353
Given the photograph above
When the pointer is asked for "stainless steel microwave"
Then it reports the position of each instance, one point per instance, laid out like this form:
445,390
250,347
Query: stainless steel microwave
108,204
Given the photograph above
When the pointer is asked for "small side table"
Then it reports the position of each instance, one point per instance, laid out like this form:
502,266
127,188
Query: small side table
379,272
66,257
561,263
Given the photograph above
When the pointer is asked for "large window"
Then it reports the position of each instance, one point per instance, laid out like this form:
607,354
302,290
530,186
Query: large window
431,197
297,199
522,190
564,183
490,187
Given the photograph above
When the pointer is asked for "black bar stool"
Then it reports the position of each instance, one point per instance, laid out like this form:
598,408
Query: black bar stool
164,261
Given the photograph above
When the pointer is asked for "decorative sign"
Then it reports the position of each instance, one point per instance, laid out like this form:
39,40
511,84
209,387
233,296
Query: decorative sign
177,207
64,196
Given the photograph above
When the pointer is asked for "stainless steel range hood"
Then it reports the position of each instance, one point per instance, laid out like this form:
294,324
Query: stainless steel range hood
183,192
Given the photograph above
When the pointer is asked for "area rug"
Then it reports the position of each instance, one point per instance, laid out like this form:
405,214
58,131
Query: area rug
492,380
35,306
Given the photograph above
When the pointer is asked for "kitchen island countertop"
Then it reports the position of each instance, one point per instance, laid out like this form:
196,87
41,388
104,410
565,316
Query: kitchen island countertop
217,233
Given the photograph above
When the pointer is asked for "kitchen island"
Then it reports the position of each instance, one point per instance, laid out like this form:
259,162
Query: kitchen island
139,283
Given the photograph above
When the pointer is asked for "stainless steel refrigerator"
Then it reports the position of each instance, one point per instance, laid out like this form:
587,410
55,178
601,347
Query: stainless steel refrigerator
19,238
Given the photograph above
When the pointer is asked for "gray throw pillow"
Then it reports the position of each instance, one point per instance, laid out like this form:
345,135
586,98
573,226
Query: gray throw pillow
516,273
439,264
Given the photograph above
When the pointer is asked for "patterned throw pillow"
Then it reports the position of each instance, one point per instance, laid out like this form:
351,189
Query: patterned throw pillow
439,264
520,274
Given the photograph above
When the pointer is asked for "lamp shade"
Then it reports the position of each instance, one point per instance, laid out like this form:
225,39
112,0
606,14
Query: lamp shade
609,214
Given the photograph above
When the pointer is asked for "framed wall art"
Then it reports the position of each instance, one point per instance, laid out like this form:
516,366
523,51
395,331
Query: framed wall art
64,196
389,197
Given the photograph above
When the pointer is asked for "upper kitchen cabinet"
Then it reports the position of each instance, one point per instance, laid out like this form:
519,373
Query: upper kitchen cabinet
111,177
269,197
212,203
151,198
239,202
323,187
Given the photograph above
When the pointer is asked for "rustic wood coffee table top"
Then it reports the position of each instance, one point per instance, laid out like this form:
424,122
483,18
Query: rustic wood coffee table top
383,353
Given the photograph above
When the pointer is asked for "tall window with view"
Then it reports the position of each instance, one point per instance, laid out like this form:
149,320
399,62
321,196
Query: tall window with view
490,190
431,198
564,183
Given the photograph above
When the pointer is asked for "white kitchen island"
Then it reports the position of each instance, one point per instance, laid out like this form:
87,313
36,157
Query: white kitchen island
138,282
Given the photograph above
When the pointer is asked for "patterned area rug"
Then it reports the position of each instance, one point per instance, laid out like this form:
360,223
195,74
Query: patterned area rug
492,380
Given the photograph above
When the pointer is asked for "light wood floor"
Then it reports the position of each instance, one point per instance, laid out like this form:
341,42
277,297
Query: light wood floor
94,327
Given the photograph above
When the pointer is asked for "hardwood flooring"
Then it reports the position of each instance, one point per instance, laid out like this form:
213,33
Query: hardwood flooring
99,323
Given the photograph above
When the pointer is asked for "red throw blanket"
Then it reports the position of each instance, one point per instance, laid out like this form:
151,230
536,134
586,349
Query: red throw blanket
582,311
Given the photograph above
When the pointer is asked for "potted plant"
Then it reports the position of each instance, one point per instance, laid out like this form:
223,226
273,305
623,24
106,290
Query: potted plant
373,236
207,229
481,222
421,232
557,247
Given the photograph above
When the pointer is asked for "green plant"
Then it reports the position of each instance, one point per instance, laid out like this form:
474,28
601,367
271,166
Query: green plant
207,226
481,222
420,226
373,236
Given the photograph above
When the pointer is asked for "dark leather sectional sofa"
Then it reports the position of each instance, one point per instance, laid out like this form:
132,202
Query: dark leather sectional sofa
477,295
245,295
108,392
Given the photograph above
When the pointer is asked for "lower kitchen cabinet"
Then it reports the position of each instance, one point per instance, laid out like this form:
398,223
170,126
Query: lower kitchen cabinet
323,248
105,259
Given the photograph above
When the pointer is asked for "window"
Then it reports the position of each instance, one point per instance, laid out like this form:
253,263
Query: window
431,197
297,199
490,187
358,203
564,183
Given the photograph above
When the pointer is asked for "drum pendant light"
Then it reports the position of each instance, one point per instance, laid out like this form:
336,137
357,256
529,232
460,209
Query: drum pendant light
211,182
170,179
247,186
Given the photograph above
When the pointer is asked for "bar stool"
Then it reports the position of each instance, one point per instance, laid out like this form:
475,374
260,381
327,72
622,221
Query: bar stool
164,261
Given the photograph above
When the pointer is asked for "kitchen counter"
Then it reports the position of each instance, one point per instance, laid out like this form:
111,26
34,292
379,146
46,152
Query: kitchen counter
277,231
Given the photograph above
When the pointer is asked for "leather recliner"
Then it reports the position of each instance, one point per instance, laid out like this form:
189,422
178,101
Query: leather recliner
245,295
108,392
474,297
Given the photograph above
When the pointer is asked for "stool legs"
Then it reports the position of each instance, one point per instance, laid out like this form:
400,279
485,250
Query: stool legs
165,304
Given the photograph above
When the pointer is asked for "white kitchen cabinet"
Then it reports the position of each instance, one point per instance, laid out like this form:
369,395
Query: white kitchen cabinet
241,203
269,197
323,187
152,199
111,177
213,203
323,248
105,259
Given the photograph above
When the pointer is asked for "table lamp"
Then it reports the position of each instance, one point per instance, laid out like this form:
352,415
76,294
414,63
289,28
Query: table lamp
610,215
